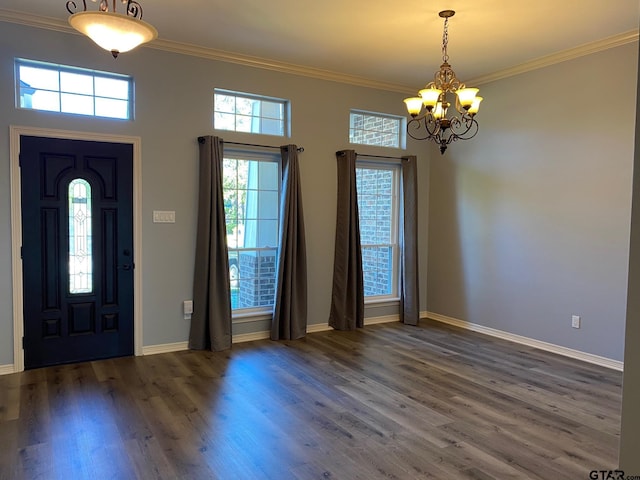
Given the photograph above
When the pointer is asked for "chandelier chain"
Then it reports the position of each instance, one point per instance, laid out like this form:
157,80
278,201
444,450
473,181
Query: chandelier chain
445,41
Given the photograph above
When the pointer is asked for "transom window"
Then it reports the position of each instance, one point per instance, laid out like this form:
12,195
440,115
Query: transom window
367,128
377,187
251,186
80,237
64,89
244,112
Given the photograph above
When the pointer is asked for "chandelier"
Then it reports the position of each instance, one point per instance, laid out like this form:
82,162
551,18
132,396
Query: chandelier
439,122
115,32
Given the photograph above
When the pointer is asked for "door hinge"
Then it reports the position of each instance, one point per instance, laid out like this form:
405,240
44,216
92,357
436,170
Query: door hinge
21,252
23,343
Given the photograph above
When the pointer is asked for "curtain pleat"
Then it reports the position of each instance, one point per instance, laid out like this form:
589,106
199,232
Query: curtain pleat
290,310
347,297
211,318
409,291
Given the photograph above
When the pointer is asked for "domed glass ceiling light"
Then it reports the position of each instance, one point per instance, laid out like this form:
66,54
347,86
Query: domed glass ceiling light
115,32
438,122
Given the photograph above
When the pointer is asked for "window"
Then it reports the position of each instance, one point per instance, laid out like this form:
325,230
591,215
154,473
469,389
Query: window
58,88
251,186
377,187
80,258
379,129
243,112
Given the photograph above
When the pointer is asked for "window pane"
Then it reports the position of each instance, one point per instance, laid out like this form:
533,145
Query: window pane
246,106
76,83
269,176
107,107
224,103
377,264
43,100
268,205
244,124
80,257
112,88
71,103
224,121
39,78
268,233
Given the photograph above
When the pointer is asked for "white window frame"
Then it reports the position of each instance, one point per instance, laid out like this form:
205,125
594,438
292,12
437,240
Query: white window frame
401,136
285,122
240,315
59,69
395,229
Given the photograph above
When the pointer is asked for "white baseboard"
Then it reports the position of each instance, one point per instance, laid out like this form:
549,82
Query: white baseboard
382,319
323,327
243,337
318,327
165,348
531,342
250,337
7,369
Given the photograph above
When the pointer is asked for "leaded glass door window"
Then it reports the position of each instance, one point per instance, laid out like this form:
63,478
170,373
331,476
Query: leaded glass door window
80,258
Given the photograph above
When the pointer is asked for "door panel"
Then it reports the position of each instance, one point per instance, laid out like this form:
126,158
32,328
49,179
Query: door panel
62,323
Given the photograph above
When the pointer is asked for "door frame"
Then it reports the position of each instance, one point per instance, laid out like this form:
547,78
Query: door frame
15,132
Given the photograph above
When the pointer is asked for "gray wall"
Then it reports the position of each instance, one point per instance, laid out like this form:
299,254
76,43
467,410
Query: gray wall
630,436
174,98
529,222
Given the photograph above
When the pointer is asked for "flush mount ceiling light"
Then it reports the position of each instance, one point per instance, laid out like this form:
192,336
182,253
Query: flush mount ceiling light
438,122
115,32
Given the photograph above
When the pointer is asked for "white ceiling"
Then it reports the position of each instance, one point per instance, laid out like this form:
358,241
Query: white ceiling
392,42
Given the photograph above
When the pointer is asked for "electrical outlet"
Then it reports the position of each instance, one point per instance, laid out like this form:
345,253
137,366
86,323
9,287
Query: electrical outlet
575,321
187,308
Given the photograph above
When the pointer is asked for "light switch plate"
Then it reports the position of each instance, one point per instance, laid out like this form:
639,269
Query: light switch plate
164,216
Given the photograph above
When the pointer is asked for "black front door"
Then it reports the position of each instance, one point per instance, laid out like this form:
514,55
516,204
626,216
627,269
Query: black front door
77,250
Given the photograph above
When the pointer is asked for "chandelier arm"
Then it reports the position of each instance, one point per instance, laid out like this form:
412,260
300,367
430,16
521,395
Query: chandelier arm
71,4
415,124
134,9
465,128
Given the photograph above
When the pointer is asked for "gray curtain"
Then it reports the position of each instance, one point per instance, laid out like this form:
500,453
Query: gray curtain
290,311
409,292
211,318
347,297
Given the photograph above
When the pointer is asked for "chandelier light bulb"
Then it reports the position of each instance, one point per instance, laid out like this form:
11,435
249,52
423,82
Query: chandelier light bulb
430,97
466,96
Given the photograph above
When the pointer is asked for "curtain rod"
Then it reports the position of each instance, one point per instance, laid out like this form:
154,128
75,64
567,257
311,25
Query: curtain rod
342,153
201,140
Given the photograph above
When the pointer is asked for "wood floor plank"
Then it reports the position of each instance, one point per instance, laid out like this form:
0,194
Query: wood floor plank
386,401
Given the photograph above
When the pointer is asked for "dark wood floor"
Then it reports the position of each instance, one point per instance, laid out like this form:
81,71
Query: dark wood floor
389,401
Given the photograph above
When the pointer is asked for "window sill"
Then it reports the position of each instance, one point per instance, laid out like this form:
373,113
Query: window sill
249,317
383,302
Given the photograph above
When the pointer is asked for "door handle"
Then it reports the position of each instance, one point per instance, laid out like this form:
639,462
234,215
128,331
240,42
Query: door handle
125,266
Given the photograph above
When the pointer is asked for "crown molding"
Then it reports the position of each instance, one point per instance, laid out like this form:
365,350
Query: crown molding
559,57
306,71
274,65
30,20
57,25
